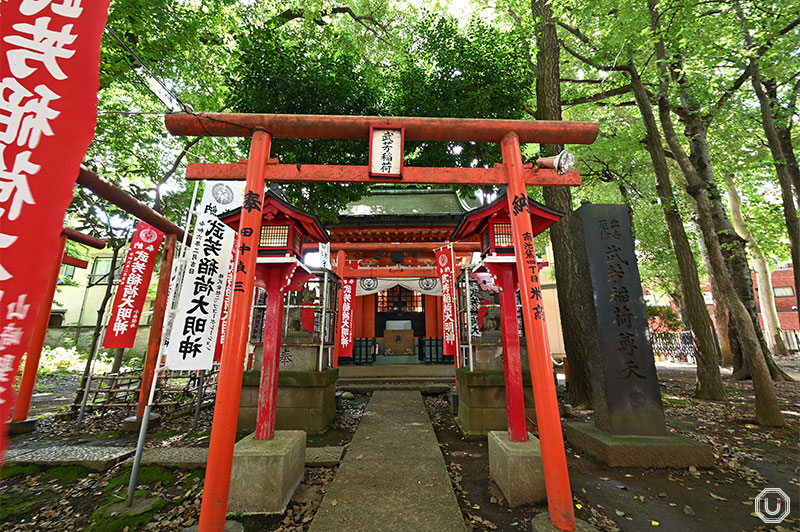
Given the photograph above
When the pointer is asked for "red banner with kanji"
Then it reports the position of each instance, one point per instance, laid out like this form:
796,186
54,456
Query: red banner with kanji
49,64
132,290
347,307
445,265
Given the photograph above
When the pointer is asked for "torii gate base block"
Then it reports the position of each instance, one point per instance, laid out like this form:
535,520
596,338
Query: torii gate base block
266,473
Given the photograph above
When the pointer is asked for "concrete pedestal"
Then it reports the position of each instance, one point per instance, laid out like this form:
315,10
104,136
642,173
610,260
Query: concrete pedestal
482,401
133,423
306,400
667,451
230,526
22,427
265,473
517,468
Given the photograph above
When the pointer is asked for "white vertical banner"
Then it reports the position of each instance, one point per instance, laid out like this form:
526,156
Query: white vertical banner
325,255
221,196
193,336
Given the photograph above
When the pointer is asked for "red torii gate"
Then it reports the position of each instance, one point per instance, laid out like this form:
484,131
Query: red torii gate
260,168
20,421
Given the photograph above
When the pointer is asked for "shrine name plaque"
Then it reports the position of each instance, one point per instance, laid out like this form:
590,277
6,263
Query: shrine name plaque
625,390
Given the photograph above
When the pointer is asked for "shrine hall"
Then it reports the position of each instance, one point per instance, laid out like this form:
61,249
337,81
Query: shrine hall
388,240
385,242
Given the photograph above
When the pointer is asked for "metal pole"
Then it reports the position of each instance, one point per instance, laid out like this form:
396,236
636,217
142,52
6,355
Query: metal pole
84,400
198,405
137,460
556,476
468,305
322,319
156,325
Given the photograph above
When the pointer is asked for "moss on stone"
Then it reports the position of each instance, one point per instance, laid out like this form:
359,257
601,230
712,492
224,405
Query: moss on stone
17,503
9,471
102,519
149,474
66,474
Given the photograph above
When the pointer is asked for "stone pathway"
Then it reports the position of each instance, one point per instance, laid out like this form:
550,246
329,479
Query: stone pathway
393,476
97,458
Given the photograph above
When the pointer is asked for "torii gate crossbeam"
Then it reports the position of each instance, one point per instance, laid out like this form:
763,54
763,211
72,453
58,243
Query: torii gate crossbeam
513,173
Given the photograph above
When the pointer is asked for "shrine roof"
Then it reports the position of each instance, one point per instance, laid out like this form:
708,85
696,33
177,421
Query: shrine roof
278,203
474,221
405,206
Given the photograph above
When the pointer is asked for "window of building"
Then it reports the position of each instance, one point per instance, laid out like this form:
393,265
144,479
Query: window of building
100,269
298,242
274,236
502,235
783,291
67,272
399,298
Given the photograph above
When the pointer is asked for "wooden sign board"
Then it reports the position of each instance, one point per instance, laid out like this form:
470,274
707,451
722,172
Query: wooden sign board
386,151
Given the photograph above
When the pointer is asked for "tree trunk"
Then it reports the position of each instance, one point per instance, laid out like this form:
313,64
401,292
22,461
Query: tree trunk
775,146
732,245
790,191
766,297
98,324
721,314
709,381
118,354
768,410
548,107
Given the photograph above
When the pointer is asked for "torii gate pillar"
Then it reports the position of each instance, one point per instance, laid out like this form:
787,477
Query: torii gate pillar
559,496
223,429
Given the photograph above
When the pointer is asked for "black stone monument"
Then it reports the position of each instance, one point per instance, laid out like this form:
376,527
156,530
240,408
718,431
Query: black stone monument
629,429
625,391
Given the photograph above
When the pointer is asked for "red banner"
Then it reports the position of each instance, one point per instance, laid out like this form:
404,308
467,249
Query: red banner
132,289
49,64
347,307
445,266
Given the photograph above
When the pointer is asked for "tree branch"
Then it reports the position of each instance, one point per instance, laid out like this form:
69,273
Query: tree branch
293,14
527,108
526,44
592,63
599,96
745,75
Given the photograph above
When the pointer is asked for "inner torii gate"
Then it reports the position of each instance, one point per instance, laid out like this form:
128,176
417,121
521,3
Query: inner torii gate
512,173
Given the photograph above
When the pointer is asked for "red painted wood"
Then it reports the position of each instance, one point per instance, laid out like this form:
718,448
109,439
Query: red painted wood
216,487
156,323
559,496
357,127
358,321
271,356
74,261
432,323
512,364
360,174
391,272
341,272
34,353
369,315
356,247
112,194
81,238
